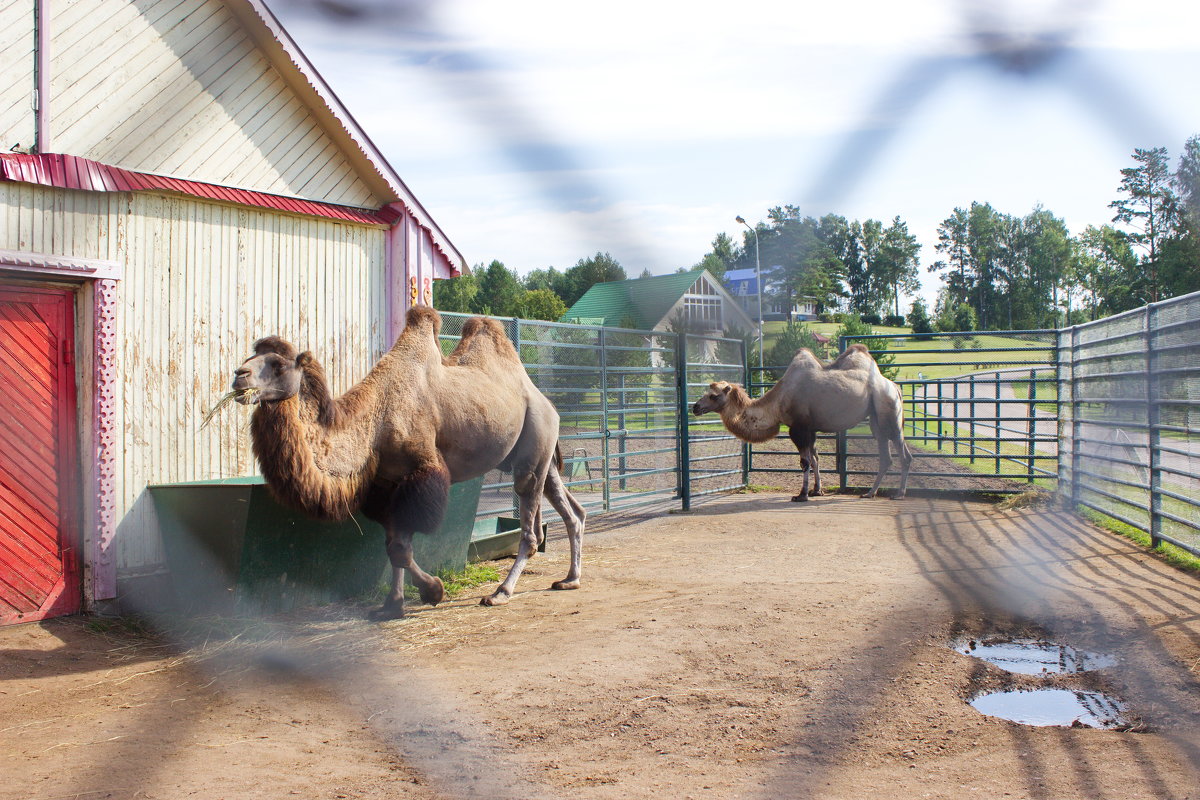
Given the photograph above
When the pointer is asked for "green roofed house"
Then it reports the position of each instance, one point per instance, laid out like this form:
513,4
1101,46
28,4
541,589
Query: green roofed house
692,301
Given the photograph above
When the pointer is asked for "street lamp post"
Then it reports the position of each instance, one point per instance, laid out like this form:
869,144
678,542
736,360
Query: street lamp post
759,287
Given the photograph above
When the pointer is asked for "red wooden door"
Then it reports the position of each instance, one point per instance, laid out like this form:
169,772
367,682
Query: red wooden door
39,542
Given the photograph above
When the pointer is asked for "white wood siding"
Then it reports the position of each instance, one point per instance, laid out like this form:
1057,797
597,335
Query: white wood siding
177,87
201,282
17,121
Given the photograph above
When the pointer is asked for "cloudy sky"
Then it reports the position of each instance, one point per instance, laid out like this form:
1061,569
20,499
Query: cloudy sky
539,132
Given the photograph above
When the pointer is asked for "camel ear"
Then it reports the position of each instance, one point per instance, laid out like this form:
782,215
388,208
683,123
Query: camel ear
720,386
304,359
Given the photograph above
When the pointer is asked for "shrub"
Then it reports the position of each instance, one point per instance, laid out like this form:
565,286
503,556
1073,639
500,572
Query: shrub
894,320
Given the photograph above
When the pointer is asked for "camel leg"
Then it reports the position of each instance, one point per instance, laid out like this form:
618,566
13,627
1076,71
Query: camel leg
804,441
529,492
885,457
418,504
573,516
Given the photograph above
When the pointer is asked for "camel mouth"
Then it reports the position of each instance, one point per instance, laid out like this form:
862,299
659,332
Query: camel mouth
247,395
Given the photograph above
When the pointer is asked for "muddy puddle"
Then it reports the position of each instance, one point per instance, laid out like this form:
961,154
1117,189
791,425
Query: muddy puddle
1054,707
1034,656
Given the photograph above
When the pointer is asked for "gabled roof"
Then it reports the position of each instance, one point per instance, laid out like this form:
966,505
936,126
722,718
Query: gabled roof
640,302
295,67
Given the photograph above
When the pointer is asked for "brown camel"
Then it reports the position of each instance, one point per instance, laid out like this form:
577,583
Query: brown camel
813,397
394,443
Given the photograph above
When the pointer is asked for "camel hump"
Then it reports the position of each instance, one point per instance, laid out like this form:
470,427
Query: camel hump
276,344
418,315
852,357
482,336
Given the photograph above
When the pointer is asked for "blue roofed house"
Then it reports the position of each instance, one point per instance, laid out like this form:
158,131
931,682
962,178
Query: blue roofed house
743,284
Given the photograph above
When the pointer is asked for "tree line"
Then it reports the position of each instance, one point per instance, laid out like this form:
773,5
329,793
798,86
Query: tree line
997,270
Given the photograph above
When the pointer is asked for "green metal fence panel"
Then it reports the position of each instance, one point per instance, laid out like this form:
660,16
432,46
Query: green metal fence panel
1131,419
717,461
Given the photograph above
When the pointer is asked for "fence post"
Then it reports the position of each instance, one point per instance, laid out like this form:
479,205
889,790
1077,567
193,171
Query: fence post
747,452
621,431
516,334
1152,432
681,402
954,425
1031,424
605,432
996,390
939,414
1076,424
971,387
841,441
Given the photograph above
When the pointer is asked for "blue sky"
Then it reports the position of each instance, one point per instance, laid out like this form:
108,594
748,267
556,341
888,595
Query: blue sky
539,133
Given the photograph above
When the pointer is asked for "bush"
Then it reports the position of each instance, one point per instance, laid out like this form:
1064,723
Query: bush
918,318
894,320
872,318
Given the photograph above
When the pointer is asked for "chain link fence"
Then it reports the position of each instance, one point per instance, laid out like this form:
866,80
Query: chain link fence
1131,419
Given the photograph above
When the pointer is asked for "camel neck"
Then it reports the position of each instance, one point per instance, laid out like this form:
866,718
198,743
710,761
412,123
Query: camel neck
744,417
283,433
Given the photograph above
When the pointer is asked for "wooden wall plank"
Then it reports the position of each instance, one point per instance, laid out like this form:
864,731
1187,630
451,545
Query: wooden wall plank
17,120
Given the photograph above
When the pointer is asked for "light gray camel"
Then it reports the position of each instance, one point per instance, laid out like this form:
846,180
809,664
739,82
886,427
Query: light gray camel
813,397
394,443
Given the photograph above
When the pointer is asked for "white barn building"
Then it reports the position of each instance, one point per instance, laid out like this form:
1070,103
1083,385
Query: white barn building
176,180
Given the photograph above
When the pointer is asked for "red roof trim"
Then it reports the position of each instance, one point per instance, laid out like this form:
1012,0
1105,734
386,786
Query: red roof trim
73,172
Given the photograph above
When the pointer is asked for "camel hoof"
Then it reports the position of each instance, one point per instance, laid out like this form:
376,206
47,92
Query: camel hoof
899,496
497,599
384,614
818,493
435,593
868,495
800,498
565,584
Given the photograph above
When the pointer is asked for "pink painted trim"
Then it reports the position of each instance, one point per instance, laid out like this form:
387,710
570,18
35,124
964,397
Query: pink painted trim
58,266
103,495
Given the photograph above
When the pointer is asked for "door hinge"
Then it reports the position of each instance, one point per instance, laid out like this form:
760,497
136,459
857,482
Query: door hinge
68,352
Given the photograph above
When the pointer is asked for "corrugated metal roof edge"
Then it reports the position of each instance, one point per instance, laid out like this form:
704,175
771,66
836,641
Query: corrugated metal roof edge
353,129
74,172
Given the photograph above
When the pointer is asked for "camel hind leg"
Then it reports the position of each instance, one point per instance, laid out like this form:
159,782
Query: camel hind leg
573,517
417,504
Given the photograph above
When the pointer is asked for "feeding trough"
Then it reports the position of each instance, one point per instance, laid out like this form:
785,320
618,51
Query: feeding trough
232,549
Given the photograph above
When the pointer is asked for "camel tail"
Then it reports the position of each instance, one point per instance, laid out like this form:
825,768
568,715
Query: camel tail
558,458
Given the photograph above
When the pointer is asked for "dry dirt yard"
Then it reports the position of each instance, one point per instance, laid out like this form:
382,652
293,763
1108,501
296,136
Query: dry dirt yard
751,648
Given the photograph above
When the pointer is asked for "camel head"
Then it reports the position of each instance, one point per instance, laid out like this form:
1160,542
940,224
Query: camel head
273,373
714,398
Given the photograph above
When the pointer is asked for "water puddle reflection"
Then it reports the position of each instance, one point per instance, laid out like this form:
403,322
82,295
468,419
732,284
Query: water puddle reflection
1034,657
1049,707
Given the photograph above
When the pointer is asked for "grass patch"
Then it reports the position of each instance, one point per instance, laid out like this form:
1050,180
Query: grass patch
454,581
1175,556
757,488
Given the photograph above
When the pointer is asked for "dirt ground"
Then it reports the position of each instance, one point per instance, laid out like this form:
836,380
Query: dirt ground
751,648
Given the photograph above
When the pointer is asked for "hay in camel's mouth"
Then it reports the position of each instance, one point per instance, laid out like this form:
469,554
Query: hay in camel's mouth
245,396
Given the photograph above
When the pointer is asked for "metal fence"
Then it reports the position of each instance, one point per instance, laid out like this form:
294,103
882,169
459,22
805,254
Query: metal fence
622,398
1131,419
1107,414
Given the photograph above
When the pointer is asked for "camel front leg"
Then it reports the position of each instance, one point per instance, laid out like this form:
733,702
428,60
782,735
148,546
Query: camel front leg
805,442
417,504
885,457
